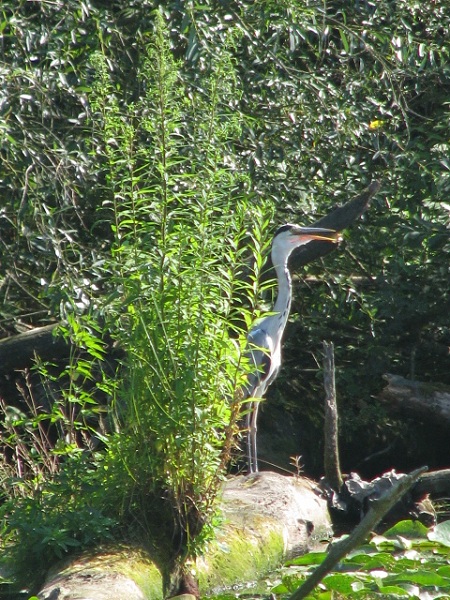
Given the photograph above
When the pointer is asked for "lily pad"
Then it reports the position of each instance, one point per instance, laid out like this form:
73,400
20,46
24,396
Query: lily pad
410,530
441,533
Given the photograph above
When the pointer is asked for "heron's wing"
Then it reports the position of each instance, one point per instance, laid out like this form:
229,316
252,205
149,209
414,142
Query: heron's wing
260,348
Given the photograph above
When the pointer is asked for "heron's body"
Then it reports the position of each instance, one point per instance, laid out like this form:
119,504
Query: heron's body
265,337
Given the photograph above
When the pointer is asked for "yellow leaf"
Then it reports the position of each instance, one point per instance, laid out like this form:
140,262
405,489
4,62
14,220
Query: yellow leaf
377,124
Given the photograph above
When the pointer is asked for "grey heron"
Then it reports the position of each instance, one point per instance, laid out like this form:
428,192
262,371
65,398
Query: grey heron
264,338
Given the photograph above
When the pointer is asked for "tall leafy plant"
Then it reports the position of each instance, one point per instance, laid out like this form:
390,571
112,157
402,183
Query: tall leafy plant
184,231
176,293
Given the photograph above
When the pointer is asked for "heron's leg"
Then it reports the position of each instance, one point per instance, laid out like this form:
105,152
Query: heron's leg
253,455
248,419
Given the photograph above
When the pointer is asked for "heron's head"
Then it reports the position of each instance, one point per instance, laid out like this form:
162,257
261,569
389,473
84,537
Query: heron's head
288,237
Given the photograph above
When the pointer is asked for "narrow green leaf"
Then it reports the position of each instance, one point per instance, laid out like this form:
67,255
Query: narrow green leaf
312,558
344,40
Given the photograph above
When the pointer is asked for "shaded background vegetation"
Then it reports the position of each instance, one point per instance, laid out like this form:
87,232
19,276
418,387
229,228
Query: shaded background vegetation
328,97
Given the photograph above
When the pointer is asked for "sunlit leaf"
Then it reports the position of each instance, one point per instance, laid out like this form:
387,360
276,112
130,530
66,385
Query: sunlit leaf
421,577
340,582
441,533
410,530
393,591
312,558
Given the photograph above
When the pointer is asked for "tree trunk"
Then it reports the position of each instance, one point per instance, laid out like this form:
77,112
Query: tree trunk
331,453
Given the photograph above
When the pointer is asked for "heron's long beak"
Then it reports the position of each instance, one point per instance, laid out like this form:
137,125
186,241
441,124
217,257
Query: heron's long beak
316,233
334,237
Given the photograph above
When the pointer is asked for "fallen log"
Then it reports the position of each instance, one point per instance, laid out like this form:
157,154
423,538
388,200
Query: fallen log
19,352
429,401
435,483
267,517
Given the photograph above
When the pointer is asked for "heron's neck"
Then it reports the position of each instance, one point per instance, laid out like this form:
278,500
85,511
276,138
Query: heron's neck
283,302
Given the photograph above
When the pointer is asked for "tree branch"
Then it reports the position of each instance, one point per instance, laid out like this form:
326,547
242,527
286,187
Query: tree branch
359,534
339,219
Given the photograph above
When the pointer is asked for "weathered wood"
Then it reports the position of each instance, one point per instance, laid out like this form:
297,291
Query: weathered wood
109,574
255,507
435,483
19,351
332,468
431,402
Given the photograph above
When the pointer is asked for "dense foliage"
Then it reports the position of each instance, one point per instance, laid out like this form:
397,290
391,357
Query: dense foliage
133,173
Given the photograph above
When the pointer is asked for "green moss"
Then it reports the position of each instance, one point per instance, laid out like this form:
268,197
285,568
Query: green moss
144,573
129,562
239,560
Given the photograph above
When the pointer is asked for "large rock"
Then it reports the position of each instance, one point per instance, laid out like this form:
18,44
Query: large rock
267,518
